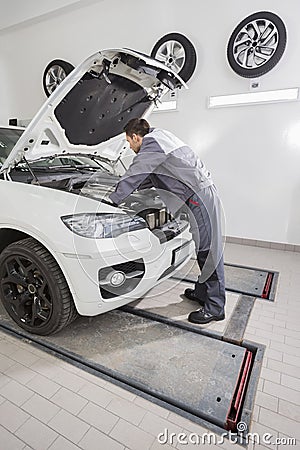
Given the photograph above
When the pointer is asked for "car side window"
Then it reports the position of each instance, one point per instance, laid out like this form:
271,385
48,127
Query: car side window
8,139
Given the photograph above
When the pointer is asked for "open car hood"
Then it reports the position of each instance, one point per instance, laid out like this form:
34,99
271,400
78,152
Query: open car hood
87,112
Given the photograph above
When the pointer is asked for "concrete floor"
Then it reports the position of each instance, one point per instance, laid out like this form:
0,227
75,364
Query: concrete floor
46,403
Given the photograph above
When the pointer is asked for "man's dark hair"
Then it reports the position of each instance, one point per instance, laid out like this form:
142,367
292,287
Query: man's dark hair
137,126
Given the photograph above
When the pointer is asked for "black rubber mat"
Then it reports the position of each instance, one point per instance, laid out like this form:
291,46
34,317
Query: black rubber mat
245,280
184,368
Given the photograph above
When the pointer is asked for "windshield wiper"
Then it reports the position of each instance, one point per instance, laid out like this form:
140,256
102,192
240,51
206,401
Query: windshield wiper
96,160
45,168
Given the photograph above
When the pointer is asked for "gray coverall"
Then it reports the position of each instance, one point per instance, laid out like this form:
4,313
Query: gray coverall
181,177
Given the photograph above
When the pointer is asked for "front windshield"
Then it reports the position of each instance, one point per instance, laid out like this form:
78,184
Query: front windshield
10,136
67,162
8,139
64,161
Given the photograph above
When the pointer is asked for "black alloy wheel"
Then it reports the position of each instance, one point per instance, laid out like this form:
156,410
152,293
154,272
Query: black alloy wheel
55,72
33,289
178,53
257,44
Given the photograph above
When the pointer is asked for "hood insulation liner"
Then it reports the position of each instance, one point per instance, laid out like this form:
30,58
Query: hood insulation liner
95,110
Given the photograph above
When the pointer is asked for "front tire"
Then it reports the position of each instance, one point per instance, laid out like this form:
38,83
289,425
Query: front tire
33,289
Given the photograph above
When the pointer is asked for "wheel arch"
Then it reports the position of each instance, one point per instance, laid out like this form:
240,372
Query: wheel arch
9,235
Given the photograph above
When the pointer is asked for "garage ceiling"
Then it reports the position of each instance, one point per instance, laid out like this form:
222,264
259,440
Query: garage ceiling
15,13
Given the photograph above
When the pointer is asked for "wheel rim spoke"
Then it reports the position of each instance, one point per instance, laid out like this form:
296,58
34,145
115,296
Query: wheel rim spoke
19,305
51,87
269,33
177,66
45,300
243,57
169,46
60,74
13,276
241,42
15,279
26,291
52,74
161,54
33,312
260,57
250,60
256,30
26,269
179,53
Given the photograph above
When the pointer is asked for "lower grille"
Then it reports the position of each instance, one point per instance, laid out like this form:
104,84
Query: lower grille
133,272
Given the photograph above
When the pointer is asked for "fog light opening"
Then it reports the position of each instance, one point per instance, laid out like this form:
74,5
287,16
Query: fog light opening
117,279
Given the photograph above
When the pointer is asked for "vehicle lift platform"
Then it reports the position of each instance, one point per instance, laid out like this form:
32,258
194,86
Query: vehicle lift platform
183,367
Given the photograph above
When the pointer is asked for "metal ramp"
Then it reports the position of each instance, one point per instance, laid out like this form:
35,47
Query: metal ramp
242,279
198,374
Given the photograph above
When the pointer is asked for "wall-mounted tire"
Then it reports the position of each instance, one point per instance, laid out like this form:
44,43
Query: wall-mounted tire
177,52
257,44
54,74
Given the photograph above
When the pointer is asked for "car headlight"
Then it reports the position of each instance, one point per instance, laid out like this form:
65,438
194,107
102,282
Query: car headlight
98,226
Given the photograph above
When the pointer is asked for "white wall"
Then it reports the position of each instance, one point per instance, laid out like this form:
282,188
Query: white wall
252,151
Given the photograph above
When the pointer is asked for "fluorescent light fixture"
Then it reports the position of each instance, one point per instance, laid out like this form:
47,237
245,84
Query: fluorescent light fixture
250,98
166,106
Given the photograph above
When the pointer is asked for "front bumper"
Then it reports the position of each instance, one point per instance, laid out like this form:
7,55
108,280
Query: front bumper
87,274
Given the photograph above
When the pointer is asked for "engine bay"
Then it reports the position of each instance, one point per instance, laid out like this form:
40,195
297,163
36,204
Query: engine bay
97,182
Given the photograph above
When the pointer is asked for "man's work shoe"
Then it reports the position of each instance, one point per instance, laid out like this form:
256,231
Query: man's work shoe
190,294
202,317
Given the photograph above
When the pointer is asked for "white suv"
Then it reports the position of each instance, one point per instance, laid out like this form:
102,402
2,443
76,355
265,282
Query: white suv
64,247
